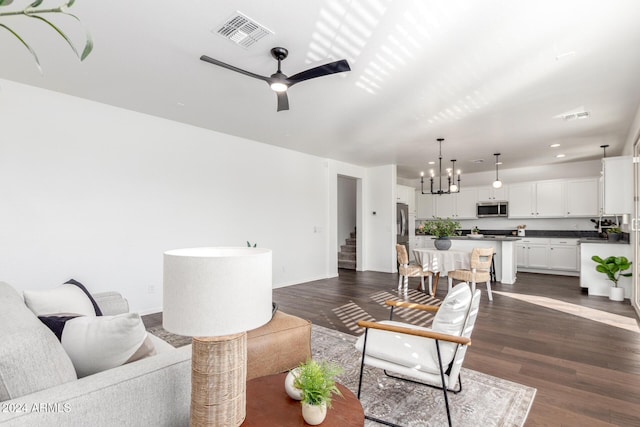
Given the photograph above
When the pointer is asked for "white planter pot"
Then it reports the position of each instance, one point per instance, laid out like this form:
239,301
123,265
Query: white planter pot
616,294
291,390
314,414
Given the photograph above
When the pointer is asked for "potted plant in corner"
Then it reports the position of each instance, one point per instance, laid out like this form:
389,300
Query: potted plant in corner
613,268
441,229
316,382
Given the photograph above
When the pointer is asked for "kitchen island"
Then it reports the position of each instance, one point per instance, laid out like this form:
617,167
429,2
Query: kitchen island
503,247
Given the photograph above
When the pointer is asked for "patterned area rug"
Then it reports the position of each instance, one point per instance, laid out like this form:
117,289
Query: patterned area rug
484,400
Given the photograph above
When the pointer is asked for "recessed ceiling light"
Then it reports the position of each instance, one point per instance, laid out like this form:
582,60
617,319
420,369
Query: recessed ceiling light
431,163
554,145
560,156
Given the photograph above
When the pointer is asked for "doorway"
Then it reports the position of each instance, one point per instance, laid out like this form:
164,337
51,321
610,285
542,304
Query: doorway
349,237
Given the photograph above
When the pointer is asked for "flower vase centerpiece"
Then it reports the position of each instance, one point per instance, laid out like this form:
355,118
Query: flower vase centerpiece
441,229
317,385
613,268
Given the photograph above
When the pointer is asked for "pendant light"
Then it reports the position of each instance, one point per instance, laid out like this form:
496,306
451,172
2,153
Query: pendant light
497,183
452,187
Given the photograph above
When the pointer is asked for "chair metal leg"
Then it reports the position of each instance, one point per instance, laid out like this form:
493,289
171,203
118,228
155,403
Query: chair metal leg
444,386
364,350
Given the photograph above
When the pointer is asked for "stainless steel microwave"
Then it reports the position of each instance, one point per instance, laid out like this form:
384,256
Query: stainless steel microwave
489,209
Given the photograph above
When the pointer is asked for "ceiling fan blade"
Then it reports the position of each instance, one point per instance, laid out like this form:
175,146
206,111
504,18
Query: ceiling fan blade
205,58
283,101
323,70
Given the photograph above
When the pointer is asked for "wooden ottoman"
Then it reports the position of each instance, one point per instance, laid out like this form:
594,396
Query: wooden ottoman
280,345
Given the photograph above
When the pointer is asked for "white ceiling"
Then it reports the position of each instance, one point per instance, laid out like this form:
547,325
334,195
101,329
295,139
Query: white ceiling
488,76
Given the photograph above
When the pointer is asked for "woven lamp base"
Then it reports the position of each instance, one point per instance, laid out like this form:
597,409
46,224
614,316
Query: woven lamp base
219,380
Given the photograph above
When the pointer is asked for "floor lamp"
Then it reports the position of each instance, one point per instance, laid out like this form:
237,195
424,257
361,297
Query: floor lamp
215,295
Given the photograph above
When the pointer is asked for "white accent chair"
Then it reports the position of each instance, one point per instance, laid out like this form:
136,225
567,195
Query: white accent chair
480,270
429,356
406,270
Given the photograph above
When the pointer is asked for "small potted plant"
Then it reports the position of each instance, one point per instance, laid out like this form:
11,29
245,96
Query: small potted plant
614,233
441,229
316,382
613,268
475,230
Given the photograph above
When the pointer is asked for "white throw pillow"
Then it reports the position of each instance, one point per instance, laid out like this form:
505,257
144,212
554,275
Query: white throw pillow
67,298
95,344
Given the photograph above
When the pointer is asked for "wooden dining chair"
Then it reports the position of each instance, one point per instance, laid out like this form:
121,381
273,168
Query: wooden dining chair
406,270
480,270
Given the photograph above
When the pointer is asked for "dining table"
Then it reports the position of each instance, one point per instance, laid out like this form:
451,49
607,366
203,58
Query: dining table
440,263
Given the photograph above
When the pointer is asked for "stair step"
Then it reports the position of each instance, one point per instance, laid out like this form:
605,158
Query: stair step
353,235
347,248
350,242
351,265
346,256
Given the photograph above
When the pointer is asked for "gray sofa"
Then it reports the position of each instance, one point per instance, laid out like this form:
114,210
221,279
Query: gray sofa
38,385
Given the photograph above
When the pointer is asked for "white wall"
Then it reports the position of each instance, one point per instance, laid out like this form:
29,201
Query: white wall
98,193
381,226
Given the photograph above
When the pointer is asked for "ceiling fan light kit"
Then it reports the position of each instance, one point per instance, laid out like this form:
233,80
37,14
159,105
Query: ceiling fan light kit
278,81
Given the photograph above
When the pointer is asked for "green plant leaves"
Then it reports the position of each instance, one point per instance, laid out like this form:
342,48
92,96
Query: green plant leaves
613,267
25,44
33,12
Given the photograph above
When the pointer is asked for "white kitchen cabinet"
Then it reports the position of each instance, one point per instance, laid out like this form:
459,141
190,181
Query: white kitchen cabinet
617,194
490,194
542,199
460,205
425,206
564,254
521,199
552,255
466,201
549,199
445,205
582,197
533,253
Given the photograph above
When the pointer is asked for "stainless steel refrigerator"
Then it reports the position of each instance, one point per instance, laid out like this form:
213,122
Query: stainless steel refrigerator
402,223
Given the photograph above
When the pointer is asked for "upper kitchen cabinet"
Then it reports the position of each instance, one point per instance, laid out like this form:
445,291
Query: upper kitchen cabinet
460,205
617,193
582,197
425,206
407,195
490,194
543,199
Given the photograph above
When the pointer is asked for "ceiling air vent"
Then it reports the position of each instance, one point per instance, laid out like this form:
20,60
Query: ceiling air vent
242,30
578,113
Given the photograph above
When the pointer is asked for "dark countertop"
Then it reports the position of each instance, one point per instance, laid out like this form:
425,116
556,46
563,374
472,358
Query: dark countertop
582,236
603,241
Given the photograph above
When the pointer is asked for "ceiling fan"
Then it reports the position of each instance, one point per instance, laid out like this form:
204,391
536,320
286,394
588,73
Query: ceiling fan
278,81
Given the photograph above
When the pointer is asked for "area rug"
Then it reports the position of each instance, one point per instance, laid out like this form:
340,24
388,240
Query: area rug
484,401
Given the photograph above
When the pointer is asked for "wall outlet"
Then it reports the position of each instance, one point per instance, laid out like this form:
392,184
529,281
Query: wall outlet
151,289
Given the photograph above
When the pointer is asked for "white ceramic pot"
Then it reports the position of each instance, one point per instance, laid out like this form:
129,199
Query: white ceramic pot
291,390
314,414
616,294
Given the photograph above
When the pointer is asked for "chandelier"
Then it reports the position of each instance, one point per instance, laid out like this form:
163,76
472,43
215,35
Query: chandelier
452,187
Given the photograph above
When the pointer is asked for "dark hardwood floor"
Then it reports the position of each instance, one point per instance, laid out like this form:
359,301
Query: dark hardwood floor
587,373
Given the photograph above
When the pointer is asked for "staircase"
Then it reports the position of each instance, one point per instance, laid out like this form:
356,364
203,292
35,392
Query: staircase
347,254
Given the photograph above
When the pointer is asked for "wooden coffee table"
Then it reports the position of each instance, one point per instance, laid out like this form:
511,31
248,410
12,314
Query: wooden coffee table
269,404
